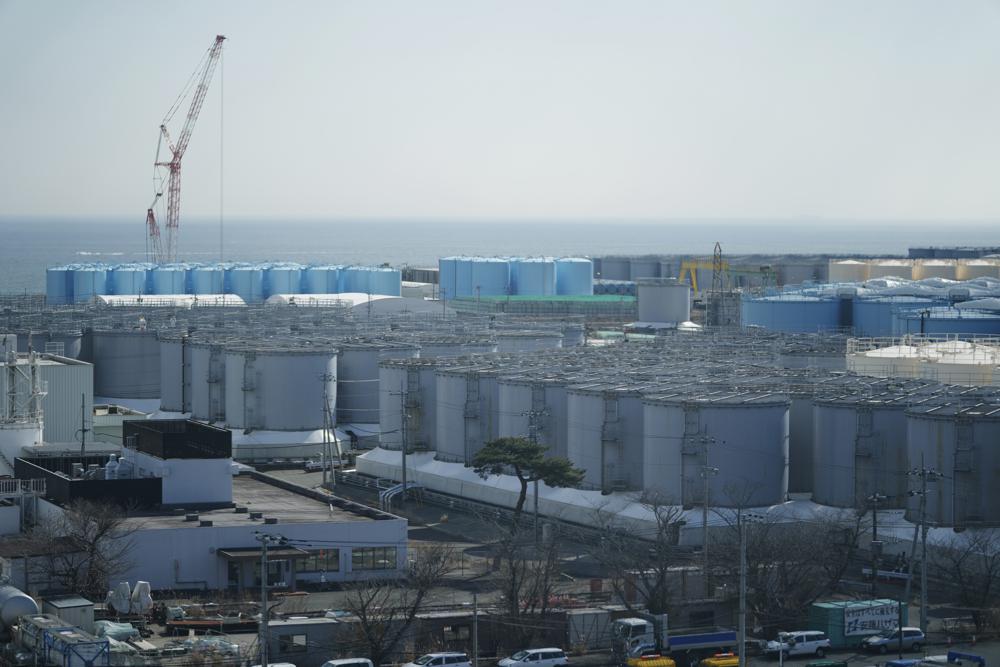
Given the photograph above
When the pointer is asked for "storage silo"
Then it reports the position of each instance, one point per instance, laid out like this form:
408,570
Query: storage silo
935,268
317,280
604,435
744,436
643,267
208,280
169,279
959,442
358,373
466,411
126,363
463,277
574,276
663,300
355,279
891,268
528,341
447,271
791,313
536,406
848,271
59,285
411,383
533,276
616,268
960,322
129,279
89,281
71,341
172,371
970,269
873,316
860,449
207,380
282,279
383,280
247,282
488,276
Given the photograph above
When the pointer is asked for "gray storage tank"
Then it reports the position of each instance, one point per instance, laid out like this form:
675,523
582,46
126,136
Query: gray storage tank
172,371
126,363
604,434
207,380
466,411
413,383
358,377
15,603
533,406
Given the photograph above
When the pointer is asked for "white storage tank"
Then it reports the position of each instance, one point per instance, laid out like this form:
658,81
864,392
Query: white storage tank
413,383
744,436
15,603
935,268
358,373
172,371
455,345
466,411
859,448
848,271
207,380
663,300
971,269
126,363
604,435
528,341
961,443
891,268
533,405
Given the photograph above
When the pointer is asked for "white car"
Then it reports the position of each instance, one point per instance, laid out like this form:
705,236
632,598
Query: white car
536,657
348,662
441,660
800,642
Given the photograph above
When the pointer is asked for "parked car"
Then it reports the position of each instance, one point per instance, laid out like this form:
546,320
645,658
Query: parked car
536,657
441,660
913,640
348,662
800,642
827,663
317,466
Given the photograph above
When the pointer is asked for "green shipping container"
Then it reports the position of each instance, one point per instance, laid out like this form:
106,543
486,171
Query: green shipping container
848,622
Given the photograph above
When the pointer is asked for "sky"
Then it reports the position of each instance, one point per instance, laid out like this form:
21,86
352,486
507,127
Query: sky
468,109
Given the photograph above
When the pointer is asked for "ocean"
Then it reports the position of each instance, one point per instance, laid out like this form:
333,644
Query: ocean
29,245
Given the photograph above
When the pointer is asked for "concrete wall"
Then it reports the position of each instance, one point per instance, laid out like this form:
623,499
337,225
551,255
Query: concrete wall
186,480
10,519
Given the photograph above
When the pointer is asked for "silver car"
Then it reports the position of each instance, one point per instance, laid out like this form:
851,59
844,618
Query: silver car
913,640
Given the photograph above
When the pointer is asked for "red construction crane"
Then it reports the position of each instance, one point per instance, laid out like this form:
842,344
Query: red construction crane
166,253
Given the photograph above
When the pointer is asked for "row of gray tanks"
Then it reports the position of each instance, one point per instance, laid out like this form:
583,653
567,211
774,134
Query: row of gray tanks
662,442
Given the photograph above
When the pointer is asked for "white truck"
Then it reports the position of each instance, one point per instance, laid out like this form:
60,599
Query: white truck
635,636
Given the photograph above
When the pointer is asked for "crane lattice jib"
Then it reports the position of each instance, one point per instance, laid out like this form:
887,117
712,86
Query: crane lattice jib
178,149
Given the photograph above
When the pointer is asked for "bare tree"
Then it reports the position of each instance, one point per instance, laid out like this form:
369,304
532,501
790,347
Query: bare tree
528,576
89,545
644,561
386,608
970,563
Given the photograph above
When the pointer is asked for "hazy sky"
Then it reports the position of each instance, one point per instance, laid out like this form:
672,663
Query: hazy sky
540,108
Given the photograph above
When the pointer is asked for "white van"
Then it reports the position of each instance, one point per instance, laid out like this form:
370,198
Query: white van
348,662
441,660
536,657
800,642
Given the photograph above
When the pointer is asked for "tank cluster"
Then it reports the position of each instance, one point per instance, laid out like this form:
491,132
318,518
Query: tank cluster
515,276
881,307
253,283
652,416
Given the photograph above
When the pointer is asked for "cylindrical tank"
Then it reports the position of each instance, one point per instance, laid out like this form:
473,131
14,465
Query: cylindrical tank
247,282
358,373
14,437
859,448
447,269
616,268
88,282
15,603
538,406
59,285
663,300
355,279
643,267
604,435
970,269
172,371
282,279
463,276
535,276
488,276
574,276
960,443
208,280
935,268
960,322
873,316
848,271
386,281
528,341
744,436
455,346
791,313
126,363
207,380
129,279
466,411
411,383
321,280
891,268
72,342
169,279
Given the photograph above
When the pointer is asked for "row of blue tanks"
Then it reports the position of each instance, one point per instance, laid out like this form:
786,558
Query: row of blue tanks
80,283
873,316
515,276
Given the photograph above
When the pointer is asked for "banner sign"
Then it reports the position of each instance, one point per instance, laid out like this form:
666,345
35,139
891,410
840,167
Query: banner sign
870,620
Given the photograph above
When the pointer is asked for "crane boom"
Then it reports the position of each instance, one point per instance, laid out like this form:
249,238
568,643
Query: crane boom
168,252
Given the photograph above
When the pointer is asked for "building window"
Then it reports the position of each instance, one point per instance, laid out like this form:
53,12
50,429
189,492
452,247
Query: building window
373,558
327,560
275,571
292,643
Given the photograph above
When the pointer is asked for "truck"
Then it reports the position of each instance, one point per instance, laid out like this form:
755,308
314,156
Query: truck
639,635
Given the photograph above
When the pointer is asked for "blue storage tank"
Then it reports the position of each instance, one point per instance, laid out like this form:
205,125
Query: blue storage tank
488,276
321,280
386,281
791,313
282,279
574,276
873,316
89,280
463,276
129,279
354,279
447,271
169,279
963,323
208,280
533,277
247,282
59,285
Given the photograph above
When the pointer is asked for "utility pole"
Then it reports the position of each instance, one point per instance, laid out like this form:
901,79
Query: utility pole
926,475
404,444
875,498
265,540
327,461
475,630
83,427
742,520
706,472
533,428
